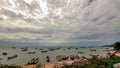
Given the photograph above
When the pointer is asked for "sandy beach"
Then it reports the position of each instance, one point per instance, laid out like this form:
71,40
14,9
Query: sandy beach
58,64
51,64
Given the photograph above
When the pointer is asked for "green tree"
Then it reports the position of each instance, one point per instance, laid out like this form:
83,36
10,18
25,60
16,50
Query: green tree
116,46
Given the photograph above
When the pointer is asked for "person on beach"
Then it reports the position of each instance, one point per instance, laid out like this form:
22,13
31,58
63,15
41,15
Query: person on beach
47,59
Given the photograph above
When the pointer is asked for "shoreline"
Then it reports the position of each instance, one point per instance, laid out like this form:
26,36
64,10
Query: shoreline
58,64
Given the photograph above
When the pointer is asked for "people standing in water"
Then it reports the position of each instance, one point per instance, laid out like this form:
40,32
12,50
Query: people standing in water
47,59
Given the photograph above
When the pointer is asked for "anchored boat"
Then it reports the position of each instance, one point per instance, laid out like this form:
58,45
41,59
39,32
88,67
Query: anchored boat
12,57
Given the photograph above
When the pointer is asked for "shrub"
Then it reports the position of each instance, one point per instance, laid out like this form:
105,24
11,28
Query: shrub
116,46
97,63
38,65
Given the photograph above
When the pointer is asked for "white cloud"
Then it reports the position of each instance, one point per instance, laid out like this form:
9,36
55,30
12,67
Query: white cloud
28,1
61,20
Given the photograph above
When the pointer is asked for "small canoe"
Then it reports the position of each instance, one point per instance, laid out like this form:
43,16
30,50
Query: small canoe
4,53
44,51
12,57
31,52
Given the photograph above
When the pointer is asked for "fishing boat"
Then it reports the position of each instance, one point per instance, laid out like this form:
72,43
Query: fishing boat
69,48
44,51
31,52
76,48
92,49
73,57
33,61
40,49
12,57
58,48
51,49
24,49
80,52
13,47
61,57
36,48
4,53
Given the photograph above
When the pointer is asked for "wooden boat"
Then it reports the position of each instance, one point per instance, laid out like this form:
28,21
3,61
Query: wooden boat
33,61
13,47
61,57
36,48
51,49
40,49
74,56
58,48
69,48
76,48
44,51
12,57
92,49
21,48
4,53
31,52
80,52
24,49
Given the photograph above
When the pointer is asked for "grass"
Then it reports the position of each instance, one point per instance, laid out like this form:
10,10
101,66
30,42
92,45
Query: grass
97,63
38,65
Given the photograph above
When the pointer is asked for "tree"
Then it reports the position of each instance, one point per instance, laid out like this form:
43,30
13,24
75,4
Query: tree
116,46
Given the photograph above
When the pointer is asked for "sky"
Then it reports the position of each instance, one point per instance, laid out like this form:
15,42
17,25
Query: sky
59,22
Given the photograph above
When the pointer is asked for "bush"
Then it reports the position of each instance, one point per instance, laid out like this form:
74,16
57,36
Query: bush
116,46
38,65
98,63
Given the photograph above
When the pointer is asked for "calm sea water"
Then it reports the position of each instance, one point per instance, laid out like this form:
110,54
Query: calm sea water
24,57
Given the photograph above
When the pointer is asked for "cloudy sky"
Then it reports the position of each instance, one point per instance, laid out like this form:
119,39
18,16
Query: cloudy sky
59,22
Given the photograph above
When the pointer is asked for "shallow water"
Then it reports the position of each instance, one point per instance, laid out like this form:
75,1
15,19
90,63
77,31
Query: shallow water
24,57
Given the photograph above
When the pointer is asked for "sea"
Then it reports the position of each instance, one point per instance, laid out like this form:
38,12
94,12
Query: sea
23,57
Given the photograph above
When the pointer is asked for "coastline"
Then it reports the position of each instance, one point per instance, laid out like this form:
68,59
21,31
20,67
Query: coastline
90,51
59,64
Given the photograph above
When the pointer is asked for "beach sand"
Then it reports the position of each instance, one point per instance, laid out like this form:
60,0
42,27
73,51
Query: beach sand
117,54
51,64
